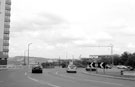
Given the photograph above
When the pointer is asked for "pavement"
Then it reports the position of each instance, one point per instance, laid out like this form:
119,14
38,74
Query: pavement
111,73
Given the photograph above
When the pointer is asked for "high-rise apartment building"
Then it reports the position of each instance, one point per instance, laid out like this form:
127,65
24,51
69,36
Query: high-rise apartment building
5,8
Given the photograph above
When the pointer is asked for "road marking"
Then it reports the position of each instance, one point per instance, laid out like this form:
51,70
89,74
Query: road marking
25,74
90,80
56,73
33,79
40,81
52,84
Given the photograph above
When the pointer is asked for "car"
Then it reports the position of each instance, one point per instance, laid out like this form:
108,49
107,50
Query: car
71,69
121,67
88,68
108,67
129,68
37,69
63,65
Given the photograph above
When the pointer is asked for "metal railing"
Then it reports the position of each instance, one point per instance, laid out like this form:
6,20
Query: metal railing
2,67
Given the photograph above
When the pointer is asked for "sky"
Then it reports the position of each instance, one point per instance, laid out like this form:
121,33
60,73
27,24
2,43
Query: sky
70,28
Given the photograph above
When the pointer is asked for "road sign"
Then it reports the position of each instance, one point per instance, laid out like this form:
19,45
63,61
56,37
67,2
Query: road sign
102,65
92,65
96,65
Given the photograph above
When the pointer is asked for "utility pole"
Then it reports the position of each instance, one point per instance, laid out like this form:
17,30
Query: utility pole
112,54
28,51
59,61
66,54
25,57
73,58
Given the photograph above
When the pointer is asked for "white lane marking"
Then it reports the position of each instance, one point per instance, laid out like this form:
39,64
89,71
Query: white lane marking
40,81
25,74
52,84
33,79
89,80
56,73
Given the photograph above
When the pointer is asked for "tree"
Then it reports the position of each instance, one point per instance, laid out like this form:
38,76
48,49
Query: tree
124,57
116,59
131,60
106,60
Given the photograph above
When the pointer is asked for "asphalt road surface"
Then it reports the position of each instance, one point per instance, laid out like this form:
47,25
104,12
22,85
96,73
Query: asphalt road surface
57,77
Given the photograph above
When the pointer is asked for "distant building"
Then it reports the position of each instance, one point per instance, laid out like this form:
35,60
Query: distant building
5,8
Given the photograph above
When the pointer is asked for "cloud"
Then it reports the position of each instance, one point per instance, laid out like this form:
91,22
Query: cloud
131,45
53,32
39,22
129,31
69,24
118,23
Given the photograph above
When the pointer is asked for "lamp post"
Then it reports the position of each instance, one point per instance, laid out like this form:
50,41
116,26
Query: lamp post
59,61
25,57
28,51
112,53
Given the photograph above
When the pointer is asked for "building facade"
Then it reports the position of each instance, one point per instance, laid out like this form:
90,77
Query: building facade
5,8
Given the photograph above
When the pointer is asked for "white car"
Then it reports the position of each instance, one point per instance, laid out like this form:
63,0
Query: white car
71,69
121,67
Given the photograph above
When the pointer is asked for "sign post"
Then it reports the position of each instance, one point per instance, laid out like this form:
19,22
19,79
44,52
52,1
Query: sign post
96,65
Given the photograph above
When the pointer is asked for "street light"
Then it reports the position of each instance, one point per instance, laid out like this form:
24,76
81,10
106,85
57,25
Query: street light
112,53
28,51
25,57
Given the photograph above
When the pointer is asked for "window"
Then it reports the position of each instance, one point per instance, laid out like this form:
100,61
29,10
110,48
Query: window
6,35
5,41
5,47
5,53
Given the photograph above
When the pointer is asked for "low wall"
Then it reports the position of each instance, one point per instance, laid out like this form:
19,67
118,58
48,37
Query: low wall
131,73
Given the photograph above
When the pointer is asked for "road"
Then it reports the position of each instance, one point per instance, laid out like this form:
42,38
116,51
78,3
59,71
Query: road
57,78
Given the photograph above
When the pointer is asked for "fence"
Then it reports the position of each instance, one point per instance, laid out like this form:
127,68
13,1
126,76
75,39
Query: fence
2,67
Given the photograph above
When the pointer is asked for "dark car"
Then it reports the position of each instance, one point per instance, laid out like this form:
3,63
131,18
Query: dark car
63,65
37,69
108,67
129,68
88,68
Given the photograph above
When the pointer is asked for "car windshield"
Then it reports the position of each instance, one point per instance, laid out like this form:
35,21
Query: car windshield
72,66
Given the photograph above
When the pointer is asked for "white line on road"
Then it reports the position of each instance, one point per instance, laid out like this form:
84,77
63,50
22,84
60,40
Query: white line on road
25,74
40,81
33,79
89,80
56,73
